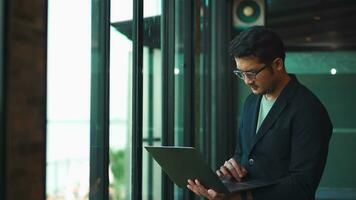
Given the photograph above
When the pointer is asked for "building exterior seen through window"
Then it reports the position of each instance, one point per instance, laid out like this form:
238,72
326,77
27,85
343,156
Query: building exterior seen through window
68,100
206,98
68,117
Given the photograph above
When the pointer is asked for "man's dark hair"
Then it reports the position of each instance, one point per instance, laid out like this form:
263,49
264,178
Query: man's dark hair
258,41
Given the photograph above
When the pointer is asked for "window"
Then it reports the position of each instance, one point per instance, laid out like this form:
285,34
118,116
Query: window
68,108
330,75
321,54
120,100
95,138
152,97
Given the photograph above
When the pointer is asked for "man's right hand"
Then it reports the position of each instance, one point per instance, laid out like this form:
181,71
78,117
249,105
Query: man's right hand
231,168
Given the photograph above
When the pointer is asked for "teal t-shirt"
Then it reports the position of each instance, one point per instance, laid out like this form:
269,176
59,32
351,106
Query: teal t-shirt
265,107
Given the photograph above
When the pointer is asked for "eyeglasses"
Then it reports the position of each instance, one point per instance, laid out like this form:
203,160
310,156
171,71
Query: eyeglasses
251,75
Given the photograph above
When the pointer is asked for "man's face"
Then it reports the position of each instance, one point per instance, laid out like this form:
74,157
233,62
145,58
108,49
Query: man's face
256,75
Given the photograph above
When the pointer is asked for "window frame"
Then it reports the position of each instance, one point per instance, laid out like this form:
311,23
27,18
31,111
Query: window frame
137,97
99,106
3,35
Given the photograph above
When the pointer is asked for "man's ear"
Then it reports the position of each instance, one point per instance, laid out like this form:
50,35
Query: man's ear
278,64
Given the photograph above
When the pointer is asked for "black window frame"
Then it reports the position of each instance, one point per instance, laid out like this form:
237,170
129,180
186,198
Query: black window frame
3,33
137,97
99,106
168,36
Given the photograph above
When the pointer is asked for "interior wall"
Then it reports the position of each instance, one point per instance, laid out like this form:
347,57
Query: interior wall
2,106
25,88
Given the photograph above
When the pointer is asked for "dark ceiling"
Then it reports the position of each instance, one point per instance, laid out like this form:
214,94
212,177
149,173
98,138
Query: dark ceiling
314,24
303,24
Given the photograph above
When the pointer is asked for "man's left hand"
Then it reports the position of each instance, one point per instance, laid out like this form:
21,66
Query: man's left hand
210,194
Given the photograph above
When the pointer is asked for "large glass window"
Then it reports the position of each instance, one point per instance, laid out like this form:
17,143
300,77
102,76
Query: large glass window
323,34
322,55
81,58
68,100
331,76
69,83
179,73
152,97
120,99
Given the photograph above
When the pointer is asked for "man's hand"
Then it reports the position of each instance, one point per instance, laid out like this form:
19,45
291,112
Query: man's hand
210,194
200,190
232,168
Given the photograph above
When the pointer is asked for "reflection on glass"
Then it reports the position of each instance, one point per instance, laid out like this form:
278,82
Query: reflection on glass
68,99
120,100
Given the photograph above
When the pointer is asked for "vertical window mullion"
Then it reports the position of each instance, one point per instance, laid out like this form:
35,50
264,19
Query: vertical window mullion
167,45
99,108
189,64
189,53
224,102
137,100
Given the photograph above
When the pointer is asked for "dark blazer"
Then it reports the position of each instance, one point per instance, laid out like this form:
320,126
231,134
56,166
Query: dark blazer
292,143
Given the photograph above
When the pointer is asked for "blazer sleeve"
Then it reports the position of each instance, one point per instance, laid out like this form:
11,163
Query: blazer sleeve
310,134
238,148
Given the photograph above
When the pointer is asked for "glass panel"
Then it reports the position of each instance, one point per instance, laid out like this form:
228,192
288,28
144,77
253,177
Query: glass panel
68,99
331,76
152,97
179,82
120,99
203,81
179,73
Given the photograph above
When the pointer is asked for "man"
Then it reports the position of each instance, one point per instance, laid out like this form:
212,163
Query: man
284,131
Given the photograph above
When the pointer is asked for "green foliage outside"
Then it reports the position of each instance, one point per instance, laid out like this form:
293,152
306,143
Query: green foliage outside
117,165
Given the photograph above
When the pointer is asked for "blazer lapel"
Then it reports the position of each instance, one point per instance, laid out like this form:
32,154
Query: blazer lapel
275,111
254,117
271,117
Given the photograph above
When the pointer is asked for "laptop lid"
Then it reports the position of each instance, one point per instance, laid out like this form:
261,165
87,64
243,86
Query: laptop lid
183,163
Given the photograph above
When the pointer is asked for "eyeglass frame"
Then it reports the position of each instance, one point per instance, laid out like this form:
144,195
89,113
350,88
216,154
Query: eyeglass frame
249,74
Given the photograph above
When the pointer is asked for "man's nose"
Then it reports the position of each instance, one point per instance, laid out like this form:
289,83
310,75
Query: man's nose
248,81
